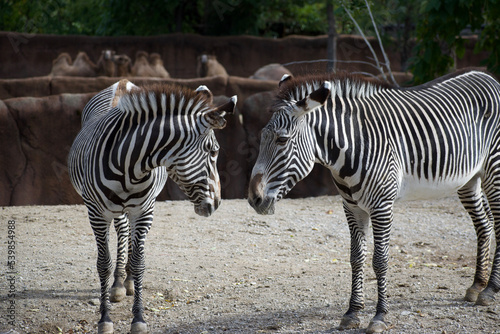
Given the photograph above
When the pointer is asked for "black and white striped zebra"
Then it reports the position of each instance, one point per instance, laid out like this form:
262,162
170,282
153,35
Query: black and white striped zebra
384,144
131,140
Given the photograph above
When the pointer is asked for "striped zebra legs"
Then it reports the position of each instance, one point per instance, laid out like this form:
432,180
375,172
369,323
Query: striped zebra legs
487,296
472,198
122,271
140,227
129,281
492,189
100,228
381,219
358,221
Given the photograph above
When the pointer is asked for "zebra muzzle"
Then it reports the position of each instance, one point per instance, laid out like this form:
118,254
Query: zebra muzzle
207,207
263,205
257,198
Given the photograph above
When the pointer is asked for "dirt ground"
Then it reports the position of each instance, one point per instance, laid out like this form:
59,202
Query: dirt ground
238,272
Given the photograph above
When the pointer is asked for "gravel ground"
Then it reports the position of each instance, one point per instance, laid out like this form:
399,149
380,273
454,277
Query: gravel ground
238,272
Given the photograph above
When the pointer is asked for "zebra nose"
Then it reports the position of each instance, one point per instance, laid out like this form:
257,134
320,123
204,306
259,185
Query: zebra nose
257,200
255,188
255,191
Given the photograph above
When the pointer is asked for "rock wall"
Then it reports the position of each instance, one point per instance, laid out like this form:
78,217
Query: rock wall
40,115
45,86
37,132
31,55
240,55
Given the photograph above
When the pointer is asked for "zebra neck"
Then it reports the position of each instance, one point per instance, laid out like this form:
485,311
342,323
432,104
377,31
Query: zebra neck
140,144
340,137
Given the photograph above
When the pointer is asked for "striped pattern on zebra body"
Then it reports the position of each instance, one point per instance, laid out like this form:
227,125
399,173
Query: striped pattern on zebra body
132,139
384,144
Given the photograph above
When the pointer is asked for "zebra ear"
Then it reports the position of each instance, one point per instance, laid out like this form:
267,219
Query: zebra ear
205,91
284,78
215,117
122,87
314,100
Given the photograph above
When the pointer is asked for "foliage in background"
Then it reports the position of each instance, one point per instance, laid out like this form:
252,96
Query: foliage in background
490,34
439,39
435,23
271,18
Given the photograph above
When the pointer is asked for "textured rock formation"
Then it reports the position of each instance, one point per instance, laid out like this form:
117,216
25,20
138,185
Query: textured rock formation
36,134
270,72
39,135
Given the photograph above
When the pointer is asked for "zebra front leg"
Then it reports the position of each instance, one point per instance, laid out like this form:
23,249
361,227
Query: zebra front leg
473,200
104,269
129,281
381,222
140,229
118,290
358,226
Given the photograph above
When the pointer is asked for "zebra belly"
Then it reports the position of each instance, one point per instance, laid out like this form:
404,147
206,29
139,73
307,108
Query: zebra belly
413,188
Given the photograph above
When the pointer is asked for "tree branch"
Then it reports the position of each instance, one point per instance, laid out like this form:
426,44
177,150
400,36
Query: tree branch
387,63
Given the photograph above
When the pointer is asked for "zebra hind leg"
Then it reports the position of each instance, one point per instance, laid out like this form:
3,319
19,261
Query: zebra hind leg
104,269
474,202
118,290
487,296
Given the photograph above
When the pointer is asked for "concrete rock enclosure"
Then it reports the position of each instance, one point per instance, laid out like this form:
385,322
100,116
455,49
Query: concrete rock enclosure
40,115
37,132
240,55
36,136
31,55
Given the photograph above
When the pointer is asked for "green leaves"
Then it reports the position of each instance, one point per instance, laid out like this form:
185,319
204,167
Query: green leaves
431,5
438,35
438,23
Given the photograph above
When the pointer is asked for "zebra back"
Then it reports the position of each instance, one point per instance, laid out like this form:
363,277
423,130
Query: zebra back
441,132
109,97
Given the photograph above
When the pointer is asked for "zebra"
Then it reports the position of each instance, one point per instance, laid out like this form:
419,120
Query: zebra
132,139
383,144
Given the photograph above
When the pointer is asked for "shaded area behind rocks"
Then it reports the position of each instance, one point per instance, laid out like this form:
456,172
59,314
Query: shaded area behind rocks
40,114
38,132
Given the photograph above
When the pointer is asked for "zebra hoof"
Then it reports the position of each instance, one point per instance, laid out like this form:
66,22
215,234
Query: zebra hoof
139,328
471,294
486,297
117,294
349,322
105,328
129,285
376,326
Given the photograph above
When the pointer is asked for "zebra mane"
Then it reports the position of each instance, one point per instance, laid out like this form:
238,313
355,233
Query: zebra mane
174,98
450,76
343,84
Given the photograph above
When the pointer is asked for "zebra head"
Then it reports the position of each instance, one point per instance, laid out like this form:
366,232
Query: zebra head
287,148
194,168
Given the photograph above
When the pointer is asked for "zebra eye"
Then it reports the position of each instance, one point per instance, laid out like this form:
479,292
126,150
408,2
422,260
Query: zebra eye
281,140
214,153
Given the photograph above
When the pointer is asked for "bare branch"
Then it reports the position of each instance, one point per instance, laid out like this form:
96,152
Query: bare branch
387,63
366,41
329,60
